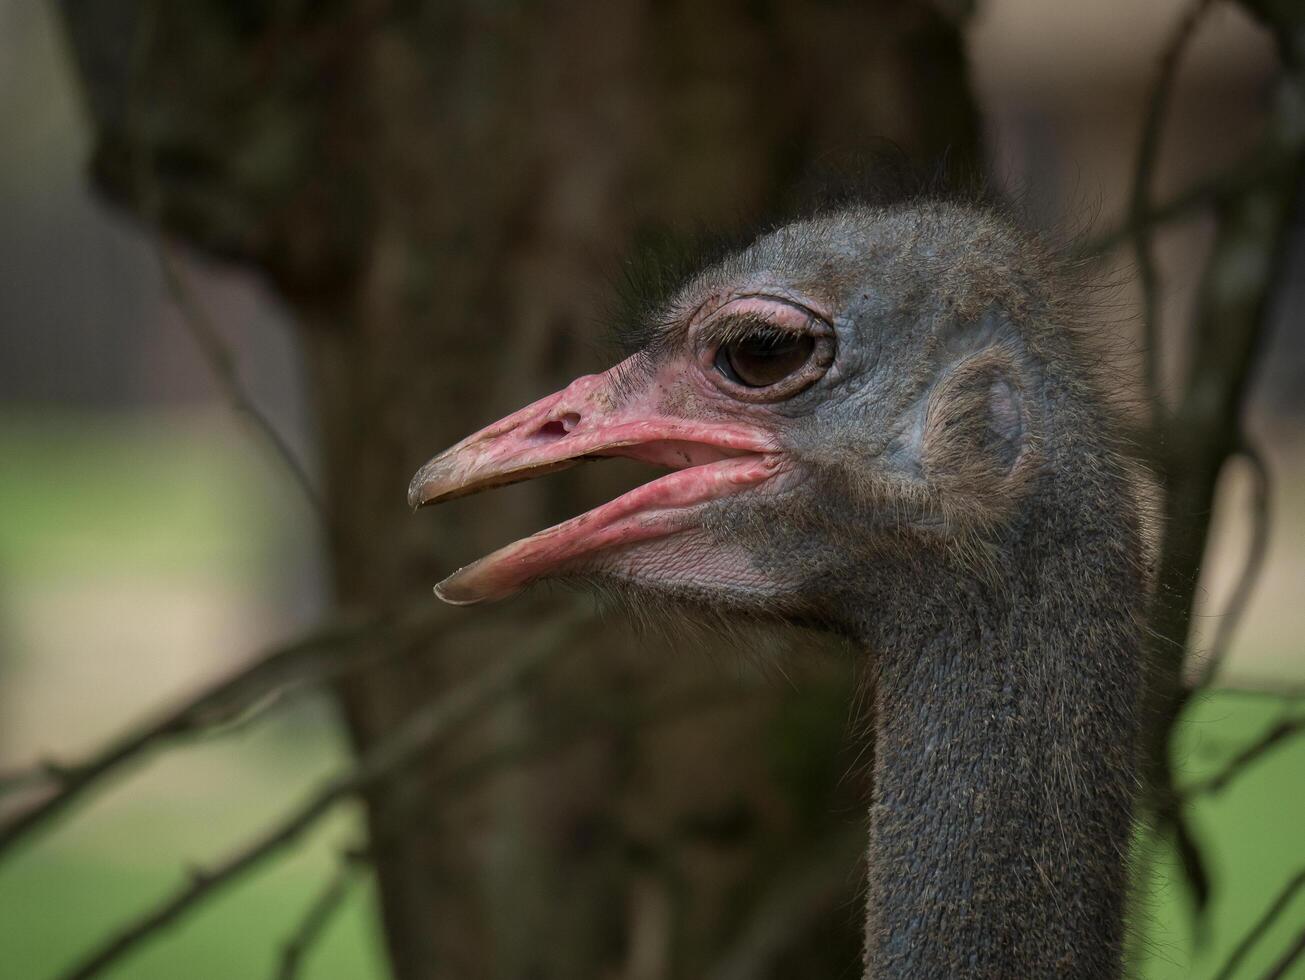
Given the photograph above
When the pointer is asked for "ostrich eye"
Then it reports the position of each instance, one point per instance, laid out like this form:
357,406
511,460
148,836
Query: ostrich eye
764,357
758,348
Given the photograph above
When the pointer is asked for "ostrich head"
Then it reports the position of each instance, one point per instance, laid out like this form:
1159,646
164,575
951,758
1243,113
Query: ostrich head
845,391
878,423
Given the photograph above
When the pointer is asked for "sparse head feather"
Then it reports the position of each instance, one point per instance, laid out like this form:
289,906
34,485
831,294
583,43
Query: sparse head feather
935,473
660,260
961,390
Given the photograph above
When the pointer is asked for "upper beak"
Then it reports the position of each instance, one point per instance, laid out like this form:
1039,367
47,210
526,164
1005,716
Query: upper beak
595,416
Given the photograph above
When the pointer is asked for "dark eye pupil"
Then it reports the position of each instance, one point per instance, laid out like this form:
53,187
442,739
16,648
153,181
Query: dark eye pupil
761,359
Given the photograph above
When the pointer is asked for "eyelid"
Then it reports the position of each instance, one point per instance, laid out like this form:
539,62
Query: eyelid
757,313
731,328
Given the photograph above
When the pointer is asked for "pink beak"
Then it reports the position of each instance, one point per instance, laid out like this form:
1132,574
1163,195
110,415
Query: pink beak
595,416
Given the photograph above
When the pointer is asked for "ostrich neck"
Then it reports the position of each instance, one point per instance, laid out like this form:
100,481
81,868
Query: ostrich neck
1004,770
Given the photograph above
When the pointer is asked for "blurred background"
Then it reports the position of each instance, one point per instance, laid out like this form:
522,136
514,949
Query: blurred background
334,180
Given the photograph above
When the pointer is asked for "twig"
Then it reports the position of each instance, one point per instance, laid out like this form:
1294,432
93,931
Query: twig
1246,266
1277,734
1147,153
222,366
317,916
1261,507
1261,926
790,906
18,780
207,337
402,748
1279,969
1157,108
316,657
1210,192
541,745
1254,688
1284,22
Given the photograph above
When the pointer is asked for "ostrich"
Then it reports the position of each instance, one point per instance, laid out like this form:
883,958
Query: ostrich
879,423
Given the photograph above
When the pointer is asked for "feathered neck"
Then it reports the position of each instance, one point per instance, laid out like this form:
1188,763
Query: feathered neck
1006,721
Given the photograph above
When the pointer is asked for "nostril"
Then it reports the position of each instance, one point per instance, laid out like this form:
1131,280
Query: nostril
556,428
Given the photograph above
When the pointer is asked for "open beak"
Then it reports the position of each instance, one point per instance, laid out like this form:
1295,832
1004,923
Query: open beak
595,416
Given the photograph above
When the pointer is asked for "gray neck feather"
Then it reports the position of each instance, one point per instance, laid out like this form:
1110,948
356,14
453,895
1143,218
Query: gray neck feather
1006,719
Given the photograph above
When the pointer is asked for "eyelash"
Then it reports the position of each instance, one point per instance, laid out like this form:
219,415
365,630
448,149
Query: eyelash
735,328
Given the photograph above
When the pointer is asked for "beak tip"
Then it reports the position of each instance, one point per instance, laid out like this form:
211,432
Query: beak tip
449,594
419,490
414,492
470,586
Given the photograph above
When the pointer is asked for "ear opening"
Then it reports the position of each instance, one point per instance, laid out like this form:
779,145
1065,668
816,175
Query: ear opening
977,439
1005,430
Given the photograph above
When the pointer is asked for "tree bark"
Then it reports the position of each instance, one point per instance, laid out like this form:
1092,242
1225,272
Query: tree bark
443,193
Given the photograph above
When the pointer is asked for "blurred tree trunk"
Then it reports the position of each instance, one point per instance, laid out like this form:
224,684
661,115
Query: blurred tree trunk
441,192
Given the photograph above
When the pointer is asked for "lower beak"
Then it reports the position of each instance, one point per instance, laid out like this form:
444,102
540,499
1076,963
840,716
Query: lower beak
596,416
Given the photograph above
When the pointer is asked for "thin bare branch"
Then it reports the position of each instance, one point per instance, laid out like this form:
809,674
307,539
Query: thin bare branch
1261,510
1164,801
405,746
1261,926
1208,193
1148,151
584,722
317,916
1271,739
1247,687
222,365
1289,958
208,338
1246,267
13,781
317,657
790,907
